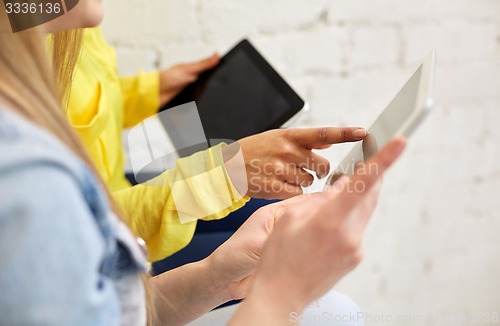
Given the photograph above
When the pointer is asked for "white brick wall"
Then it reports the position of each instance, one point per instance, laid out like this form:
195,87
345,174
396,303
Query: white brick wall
433,246
458,40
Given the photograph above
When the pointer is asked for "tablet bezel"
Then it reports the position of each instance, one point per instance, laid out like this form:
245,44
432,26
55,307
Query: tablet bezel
425,101
423,104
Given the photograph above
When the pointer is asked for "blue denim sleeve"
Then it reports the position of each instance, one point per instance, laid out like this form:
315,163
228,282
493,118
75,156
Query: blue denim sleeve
51,250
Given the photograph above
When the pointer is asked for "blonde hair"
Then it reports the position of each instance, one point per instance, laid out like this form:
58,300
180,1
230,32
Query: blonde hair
35,87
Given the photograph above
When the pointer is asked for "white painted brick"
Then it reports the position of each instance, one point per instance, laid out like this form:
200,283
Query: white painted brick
356,98
119,23
139,22
175,20
379,11
455,40
317,52
131,60
476,81
441,150
410,10
373,45
320,51
234,19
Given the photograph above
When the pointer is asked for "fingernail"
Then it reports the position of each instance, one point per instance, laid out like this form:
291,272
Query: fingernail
360,132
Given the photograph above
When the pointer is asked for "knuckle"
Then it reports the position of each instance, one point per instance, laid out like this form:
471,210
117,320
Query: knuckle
345,135
287,150
290,191
286,133
372,202
356,258
323,167
307,180
349,245
322,133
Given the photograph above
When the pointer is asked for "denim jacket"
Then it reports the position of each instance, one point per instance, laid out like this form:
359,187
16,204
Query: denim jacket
65,258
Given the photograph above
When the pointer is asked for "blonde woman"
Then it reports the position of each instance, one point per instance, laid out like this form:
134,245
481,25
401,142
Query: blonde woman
67,256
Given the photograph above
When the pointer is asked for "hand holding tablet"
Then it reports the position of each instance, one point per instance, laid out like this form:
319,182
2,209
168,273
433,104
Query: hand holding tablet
242,96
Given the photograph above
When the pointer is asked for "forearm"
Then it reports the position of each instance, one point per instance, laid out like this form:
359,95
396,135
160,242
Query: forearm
259,312
185,293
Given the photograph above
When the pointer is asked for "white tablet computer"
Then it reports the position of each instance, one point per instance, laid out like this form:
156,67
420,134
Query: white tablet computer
400,118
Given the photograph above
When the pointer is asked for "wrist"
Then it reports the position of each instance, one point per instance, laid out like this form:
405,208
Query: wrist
283,297
235,166
267,308
163,89
187,293
219,286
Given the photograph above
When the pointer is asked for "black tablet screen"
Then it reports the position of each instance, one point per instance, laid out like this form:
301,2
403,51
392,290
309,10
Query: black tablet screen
241,97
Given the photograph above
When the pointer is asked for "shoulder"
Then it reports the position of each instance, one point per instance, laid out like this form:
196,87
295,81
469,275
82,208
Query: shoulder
35,160
24,142
41,180
51,247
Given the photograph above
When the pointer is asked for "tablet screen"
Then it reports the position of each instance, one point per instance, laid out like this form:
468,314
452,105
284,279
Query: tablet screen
400,117
255,100
242,96
397,112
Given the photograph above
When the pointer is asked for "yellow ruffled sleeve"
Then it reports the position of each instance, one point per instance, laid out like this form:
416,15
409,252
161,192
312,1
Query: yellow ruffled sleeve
141,97
198,186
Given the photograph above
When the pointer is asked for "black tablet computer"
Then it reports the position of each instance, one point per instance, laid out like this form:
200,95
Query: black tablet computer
242,96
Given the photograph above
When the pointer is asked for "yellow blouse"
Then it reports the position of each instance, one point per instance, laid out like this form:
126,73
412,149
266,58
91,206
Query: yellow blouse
101,105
